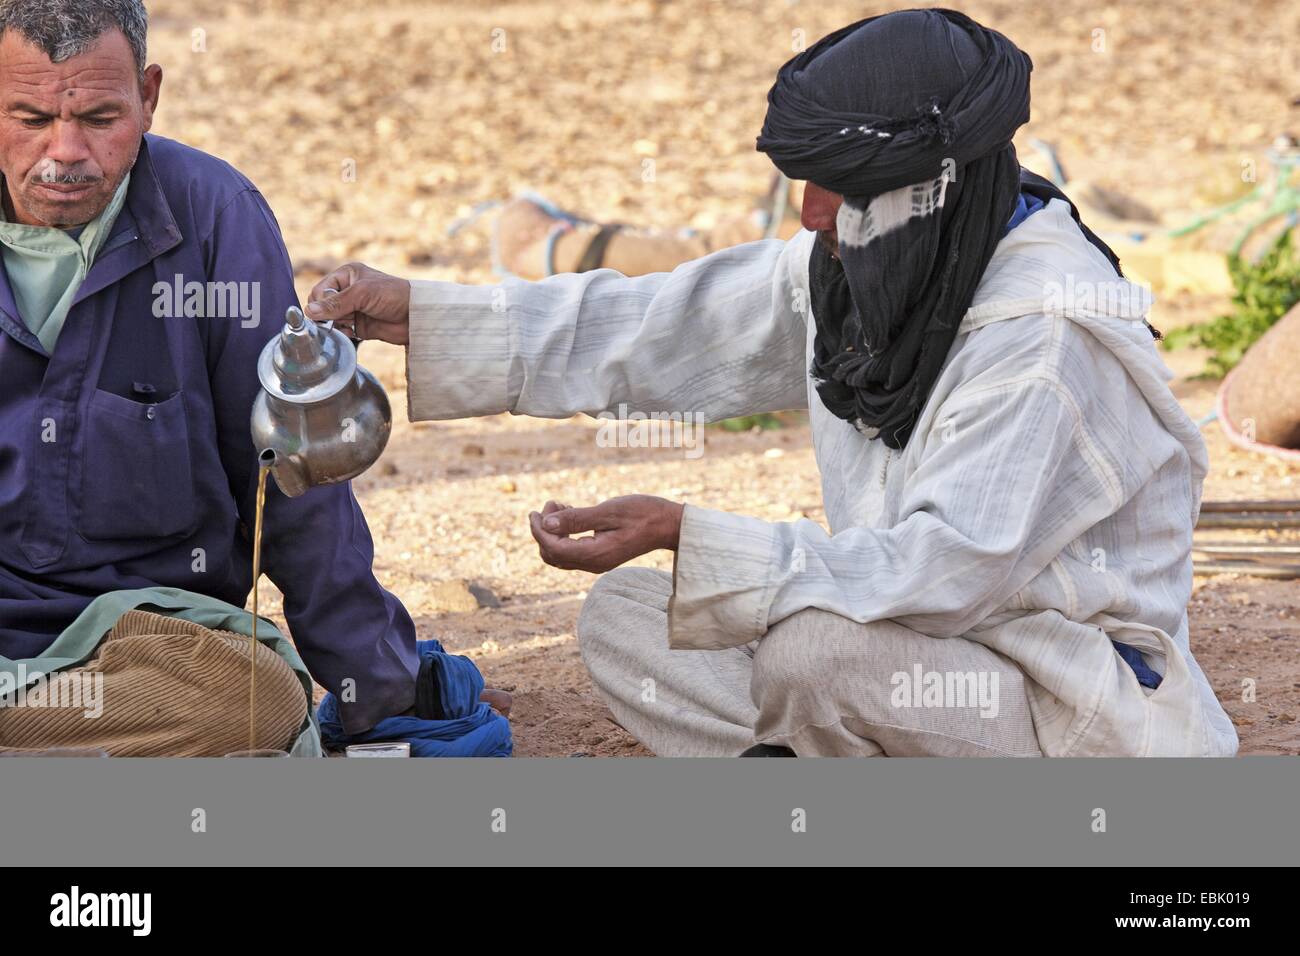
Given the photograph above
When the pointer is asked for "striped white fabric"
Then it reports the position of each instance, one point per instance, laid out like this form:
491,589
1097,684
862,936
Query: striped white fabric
889,211
1044,505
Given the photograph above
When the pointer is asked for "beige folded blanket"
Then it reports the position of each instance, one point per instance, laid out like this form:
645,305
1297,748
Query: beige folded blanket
160,686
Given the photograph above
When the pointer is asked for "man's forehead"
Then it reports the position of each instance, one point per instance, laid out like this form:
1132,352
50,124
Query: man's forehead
107,67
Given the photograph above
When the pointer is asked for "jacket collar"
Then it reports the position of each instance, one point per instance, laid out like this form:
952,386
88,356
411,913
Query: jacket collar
144,230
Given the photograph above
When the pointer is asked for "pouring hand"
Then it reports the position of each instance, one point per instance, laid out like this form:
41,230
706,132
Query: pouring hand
625,528
364,301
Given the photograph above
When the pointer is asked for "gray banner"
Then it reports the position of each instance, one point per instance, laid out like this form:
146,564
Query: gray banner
647,812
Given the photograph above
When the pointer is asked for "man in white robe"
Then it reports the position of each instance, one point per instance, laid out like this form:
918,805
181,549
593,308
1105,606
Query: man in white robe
1013,580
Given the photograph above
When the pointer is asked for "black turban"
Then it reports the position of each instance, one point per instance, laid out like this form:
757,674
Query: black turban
910,117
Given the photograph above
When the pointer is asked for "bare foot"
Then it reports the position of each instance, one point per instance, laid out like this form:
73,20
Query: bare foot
499,700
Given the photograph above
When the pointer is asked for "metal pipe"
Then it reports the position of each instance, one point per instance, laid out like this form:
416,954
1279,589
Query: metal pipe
1258,519
1283,572
1232,506
1262,550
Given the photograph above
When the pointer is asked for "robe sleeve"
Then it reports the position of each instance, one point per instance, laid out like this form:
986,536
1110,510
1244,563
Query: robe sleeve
718,337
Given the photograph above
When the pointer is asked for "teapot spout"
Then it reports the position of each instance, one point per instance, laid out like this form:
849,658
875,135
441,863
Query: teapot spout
289,475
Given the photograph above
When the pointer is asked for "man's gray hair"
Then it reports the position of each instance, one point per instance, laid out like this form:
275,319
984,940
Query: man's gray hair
66,28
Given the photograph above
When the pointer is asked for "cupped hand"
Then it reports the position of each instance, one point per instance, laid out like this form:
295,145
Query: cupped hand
625,528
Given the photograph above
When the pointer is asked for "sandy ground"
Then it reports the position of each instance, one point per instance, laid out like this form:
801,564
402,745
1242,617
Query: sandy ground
372,127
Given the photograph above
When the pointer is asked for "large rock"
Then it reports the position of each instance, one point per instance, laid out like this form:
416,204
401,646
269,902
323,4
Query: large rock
1259,401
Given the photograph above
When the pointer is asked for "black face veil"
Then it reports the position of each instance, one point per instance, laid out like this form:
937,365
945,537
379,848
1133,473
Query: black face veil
910,117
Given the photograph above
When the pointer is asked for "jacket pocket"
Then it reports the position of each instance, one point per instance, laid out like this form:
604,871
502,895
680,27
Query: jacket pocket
136,478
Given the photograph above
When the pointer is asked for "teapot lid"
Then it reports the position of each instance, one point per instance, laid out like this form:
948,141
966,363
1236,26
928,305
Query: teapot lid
307,362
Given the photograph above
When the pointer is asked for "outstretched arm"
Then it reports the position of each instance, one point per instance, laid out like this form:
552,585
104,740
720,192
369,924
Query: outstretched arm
717,337
991,504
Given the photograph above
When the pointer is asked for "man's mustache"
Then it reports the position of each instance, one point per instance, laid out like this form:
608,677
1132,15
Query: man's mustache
65,178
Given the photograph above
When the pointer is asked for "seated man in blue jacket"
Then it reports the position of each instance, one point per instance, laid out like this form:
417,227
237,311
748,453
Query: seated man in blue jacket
126,460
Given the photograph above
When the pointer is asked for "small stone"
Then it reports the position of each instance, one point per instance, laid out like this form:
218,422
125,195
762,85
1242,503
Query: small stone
473,449
508,486
452,597
484,596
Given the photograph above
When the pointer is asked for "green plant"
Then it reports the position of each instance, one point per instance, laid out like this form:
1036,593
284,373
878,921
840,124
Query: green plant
1265,290
764,422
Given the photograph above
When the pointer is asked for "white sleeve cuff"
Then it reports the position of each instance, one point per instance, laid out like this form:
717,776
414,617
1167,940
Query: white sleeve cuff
723,580
457,358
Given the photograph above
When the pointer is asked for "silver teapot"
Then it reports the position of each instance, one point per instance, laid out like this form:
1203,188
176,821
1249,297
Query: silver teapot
320,418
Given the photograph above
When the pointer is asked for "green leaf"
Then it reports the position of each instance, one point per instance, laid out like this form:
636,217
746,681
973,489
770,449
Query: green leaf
764,422
1264,292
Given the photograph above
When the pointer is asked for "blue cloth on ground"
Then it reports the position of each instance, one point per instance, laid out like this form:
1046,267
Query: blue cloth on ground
471,728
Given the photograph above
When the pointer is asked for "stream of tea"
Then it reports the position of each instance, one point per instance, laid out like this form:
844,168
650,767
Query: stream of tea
262,468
